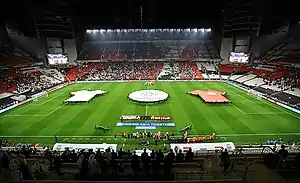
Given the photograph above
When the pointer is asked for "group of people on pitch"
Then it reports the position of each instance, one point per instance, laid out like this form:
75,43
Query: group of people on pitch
156,135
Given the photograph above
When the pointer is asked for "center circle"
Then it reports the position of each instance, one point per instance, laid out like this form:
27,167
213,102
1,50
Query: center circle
148,96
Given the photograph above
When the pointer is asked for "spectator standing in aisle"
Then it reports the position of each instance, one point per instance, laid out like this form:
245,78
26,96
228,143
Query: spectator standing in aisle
169,160
37,169
225,161
135,164
214,164
57,164
283,153
146,161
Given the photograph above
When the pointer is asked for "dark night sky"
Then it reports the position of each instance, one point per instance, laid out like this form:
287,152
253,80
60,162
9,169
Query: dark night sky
156,13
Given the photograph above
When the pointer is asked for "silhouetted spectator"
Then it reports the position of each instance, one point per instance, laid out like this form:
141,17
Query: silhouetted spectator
37,169
5,161
121,153
152,154
159,155
171,156
144,155
176,149
225,161
79,164
283,152
73,156
179,156
113,155
189,155
214,164
57,164
146,162
169,162
85,167
135,163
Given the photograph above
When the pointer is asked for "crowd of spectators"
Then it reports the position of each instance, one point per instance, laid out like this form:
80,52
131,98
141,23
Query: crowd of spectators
126,71
29,81
289,81
32,83
16,164
142,71
21,162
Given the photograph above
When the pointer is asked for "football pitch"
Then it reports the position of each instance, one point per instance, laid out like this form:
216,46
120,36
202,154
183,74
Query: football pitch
245,120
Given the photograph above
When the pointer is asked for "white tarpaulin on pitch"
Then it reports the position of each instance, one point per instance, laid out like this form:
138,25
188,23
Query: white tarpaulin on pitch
62,146
84,95
204,146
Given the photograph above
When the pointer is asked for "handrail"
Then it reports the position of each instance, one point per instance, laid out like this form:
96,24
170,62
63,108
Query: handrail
77,181
267,147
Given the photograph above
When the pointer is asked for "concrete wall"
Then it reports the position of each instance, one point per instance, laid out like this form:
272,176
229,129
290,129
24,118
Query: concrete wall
226,48
70,49
55,45
3,35
242,44
34,46
261,44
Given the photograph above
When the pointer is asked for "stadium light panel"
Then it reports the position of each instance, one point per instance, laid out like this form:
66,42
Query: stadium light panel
93,31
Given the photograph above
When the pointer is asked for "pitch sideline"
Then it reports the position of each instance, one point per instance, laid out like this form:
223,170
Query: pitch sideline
35,115
220,135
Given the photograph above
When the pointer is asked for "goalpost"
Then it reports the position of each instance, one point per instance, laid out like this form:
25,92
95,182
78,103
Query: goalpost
35,98
254,93
42,94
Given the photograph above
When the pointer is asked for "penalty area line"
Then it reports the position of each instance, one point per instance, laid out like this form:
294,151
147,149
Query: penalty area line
238,108
34,115
51,99
268,103
55,110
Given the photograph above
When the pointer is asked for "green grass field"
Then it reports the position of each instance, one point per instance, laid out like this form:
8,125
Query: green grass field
246,120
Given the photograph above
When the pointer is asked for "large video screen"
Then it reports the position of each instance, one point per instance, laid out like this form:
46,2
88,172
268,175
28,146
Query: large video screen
239,57
56,59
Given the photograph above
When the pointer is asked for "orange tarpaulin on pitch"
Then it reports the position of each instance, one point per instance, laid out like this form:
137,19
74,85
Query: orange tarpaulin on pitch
210,95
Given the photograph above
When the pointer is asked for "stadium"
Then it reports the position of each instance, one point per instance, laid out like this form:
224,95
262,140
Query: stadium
142,103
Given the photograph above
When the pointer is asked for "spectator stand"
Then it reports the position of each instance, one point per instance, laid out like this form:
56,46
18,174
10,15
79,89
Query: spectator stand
240,161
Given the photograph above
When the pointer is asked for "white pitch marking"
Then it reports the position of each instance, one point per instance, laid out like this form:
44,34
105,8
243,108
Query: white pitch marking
205,86
146,111
32,115
265,113
274,106
51,99
24,115
238,108
268,103
258,134
55,110
221,135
